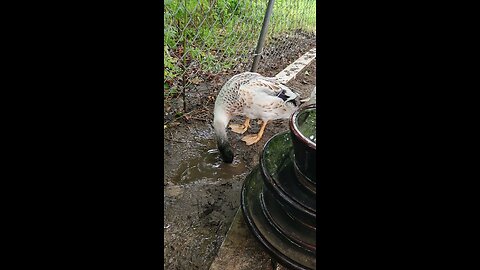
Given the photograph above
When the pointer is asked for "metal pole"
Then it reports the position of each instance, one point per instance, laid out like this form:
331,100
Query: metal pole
263,35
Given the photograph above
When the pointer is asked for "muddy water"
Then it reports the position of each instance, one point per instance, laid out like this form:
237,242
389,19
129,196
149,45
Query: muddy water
201,198
208,166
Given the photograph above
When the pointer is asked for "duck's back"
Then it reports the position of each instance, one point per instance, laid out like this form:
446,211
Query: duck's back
230,97
257,97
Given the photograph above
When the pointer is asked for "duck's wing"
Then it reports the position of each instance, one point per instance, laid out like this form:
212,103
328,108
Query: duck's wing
270,88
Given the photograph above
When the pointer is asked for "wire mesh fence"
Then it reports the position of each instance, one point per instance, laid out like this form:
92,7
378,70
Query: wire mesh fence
207,37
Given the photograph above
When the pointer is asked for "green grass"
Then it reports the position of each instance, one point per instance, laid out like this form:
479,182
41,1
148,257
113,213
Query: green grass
217,34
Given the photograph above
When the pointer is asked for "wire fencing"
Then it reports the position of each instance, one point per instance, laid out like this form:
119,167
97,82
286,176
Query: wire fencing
207,37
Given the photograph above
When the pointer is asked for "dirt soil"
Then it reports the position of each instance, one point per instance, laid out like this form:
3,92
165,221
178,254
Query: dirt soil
201,193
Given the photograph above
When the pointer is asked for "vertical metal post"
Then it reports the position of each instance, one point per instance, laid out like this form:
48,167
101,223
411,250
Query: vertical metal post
263,35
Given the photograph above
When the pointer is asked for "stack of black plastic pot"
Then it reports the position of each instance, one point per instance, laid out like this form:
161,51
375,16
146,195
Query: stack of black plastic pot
278,196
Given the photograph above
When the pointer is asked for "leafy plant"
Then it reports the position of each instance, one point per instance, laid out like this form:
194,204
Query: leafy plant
218,34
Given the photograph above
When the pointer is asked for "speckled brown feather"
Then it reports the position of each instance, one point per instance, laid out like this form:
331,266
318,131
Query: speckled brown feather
236,100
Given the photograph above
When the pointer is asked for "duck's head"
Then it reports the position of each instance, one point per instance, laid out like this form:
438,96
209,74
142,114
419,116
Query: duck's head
226,151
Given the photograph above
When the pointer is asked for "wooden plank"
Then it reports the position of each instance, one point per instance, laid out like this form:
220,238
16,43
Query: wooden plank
294,68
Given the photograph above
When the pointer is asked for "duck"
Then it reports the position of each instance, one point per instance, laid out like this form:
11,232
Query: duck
254,96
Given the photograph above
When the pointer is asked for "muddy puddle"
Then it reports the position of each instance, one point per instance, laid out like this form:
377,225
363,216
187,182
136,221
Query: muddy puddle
208,165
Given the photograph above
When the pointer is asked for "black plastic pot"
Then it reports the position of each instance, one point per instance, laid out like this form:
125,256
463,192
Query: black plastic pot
279,210
280,181
258,218
304,148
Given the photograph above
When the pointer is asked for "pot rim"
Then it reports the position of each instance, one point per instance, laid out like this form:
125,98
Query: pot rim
294,128
304,180
272,185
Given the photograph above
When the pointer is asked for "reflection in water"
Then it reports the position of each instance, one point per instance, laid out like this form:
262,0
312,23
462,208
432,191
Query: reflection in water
208,165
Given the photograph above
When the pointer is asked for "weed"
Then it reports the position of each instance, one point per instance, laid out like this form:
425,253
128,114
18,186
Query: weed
216,35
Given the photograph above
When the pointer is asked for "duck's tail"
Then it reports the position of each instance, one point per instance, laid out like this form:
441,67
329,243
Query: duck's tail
220,122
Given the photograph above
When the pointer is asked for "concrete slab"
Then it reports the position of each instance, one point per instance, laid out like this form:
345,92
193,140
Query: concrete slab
241,251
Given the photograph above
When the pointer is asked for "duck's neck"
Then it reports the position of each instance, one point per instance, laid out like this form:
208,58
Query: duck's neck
220,122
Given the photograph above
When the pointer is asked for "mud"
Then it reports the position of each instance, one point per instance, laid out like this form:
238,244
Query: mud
201,193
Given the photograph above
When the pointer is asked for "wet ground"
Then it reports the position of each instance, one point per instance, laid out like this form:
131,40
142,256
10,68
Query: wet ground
201,193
